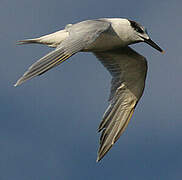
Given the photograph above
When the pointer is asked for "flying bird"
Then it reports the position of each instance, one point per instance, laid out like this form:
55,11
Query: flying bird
108,39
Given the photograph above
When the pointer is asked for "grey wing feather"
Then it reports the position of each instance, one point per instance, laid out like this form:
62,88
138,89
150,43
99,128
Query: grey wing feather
128,70
44,64
80,35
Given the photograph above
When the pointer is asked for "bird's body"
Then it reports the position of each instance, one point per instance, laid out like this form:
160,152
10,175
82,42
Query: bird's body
108,39
111,35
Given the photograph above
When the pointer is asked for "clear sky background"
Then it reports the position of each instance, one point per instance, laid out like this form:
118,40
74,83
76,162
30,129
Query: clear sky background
48,125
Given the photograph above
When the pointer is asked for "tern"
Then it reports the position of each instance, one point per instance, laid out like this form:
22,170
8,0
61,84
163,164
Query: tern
108,39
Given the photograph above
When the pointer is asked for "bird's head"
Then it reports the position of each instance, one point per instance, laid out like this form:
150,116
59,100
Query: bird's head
139,34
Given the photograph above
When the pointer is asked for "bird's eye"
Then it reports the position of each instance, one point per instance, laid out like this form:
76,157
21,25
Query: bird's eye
139,30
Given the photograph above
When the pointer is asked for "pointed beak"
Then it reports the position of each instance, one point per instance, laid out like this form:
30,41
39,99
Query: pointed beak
153,44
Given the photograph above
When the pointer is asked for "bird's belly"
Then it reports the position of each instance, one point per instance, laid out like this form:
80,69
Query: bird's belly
105,42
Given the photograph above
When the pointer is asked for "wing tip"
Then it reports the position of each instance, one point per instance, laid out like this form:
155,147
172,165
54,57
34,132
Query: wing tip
103,151
19,82
99,156
97,160
16,84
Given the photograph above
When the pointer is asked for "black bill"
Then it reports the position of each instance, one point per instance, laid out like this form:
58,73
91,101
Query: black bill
153,44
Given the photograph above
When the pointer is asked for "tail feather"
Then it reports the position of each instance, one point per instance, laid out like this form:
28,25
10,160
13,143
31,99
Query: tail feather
29,41
52,40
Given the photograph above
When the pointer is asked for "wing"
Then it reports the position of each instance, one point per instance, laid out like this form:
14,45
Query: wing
80,36
128,69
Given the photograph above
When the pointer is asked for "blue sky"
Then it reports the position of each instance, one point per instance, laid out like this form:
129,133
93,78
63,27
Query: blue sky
48,125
